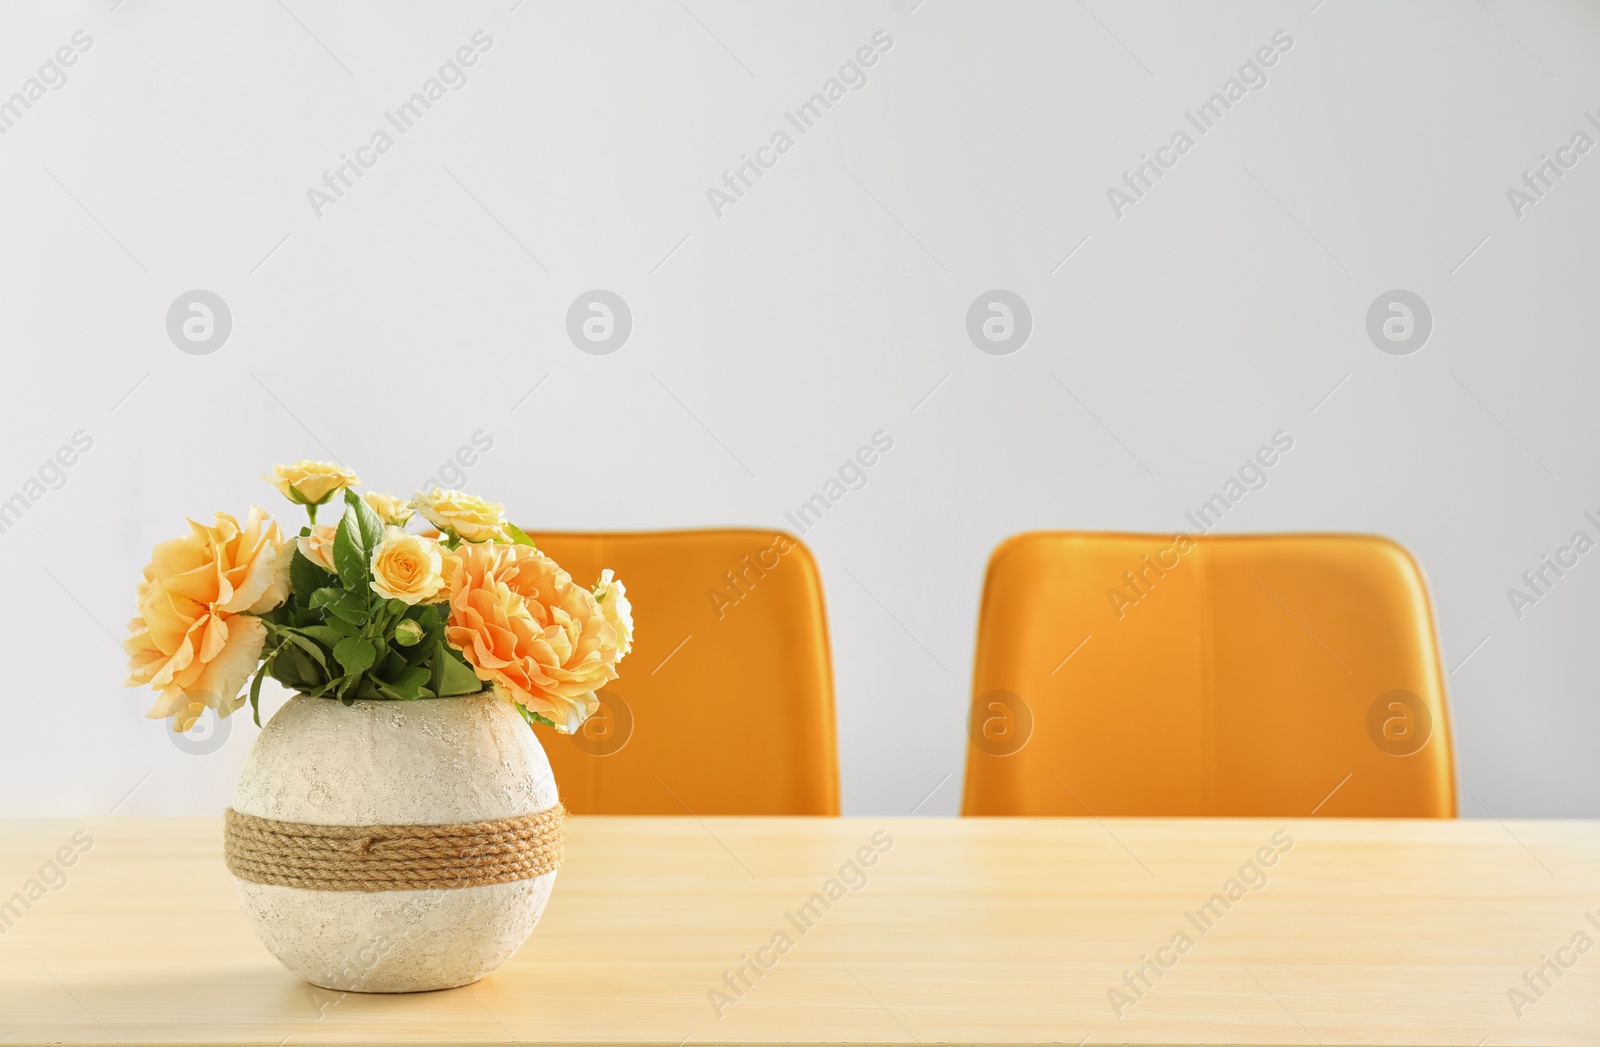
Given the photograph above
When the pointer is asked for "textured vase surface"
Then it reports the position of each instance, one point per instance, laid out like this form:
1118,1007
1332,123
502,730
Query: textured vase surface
440,761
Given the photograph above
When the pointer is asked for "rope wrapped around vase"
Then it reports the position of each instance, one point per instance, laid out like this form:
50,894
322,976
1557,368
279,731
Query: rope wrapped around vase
392,857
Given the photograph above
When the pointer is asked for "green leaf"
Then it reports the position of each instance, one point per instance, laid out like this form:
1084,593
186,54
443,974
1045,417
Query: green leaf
391,663
452,676
369,689
318,690
326,635
292,668
341,604
355,654
305,577
309,646
344,628
531,717
371,526
436,659
350,688
255,692
358,536
410,684
325,596
350,557
518,535
278,615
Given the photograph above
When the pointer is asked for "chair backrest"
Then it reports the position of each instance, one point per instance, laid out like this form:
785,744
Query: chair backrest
1249,675
725,704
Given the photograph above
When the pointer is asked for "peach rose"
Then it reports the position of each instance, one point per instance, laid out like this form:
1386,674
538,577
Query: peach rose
523,625
196,640
390,509
318,546
407,567
311,483
467,516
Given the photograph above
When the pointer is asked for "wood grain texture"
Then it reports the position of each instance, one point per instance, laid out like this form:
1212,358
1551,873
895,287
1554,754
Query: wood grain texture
977,931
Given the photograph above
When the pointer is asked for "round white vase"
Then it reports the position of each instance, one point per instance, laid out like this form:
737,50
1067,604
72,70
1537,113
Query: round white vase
438,761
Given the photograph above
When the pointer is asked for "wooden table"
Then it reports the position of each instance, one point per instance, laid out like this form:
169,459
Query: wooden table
979,931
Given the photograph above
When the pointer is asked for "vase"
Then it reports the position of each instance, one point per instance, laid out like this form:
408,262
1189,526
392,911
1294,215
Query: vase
394,846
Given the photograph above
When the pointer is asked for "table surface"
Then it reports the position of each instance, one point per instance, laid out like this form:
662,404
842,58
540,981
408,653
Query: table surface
978,931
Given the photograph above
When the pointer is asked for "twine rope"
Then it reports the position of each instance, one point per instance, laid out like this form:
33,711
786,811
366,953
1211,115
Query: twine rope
392,857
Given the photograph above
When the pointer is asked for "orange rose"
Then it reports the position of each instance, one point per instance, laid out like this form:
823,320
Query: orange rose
195,640
523,625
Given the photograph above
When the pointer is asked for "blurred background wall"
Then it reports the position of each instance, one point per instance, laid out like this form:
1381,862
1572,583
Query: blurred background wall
1076,261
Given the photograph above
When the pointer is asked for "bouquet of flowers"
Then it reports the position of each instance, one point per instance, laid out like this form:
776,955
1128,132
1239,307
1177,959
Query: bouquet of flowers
366,609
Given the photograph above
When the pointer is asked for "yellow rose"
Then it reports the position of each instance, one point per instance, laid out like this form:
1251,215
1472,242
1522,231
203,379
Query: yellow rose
318,546
407,567
390,510
612,596
467,516
311,483
196,639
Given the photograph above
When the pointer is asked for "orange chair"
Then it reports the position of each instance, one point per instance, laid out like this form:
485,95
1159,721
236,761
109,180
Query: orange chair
725,704
1249,675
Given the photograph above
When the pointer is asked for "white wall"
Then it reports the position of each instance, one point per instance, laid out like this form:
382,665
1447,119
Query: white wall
769,342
